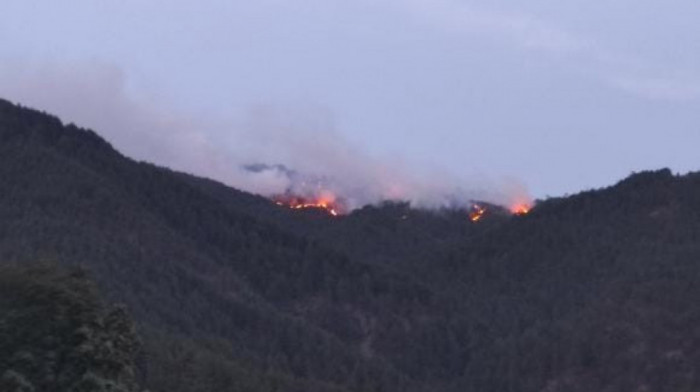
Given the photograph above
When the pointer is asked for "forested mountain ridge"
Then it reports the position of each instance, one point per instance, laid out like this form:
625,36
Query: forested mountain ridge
183,267
230,292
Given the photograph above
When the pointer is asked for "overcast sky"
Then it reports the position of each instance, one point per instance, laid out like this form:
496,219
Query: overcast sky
562,95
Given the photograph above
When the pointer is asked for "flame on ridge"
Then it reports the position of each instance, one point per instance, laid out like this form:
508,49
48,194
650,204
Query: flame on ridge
329,203
325,202
476,213
520,209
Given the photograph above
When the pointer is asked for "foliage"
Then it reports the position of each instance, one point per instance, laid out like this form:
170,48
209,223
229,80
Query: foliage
56,336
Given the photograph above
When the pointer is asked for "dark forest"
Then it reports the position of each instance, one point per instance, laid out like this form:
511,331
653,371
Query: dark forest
117,275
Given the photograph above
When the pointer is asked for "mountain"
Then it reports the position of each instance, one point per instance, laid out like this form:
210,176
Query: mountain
231,292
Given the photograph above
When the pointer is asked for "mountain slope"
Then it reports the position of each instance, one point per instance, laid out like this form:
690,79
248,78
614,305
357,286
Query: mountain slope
165,249
593,292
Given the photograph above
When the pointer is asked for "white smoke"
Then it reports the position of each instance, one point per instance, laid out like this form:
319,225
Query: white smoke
304,140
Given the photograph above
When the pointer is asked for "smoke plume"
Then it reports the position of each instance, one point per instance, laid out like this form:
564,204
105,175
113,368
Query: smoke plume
269,150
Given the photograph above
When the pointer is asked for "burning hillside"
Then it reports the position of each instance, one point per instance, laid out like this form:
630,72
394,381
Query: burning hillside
477,213
330,204
482,210
325,202
520,209
341,194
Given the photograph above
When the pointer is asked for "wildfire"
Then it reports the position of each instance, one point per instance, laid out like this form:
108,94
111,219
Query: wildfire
326,203
477,213
520,209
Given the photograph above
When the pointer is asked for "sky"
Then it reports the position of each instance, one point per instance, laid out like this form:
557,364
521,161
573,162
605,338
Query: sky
501,98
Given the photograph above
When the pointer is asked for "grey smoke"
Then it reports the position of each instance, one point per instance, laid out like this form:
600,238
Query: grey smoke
303,150
262,167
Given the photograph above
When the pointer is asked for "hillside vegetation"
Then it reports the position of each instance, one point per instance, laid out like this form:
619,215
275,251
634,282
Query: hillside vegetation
230,292
56,336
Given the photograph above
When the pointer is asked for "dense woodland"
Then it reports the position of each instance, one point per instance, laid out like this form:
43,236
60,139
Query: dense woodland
56,336
226,291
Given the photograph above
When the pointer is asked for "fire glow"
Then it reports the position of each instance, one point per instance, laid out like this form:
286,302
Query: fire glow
477,213
328,203
520,209
325,203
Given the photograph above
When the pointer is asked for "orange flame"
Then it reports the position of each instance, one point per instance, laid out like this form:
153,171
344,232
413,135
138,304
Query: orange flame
520,209
477,213
325,202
